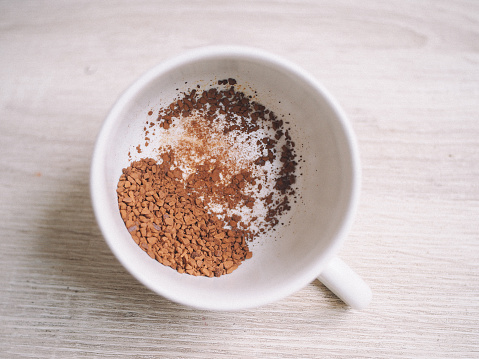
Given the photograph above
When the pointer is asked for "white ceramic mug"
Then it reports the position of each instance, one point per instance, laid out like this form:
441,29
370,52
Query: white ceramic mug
293,255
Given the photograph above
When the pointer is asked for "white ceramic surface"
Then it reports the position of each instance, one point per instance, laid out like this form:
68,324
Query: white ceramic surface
292,256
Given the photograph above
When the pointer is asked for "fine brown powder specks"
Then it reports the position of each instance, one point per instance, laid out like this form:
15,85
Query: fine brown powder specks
224,174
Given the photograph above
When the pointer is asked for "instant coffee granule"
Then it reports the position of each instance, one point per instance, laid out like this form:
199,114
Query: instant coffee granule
172,224
224,173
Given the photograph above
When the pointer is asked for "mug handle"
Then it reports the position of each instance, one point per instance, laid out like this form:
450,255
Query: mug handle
346,284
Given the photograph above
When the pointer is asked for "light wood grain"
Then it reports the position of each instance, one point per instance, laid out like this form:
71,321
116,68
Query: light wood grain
406,73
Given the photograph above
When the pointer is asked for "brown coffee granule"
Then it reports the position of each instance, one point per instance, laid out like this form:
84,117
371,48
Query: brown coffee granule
172,225
224,158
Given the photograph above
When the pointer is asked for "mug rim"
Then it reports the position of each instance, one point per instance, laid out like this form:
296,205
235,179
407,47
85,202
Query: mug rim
215,52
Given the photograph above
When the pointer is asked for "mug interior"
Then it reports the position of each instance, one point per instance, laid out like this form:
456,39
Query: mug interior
289,257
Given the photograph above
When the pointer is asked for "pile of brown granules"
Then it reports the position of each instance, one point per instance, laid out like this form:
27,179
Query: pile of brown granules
224,173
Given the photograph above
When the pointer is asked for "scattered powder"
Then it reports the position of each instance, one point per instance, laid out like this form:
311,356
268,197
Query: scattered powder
226,152
196,143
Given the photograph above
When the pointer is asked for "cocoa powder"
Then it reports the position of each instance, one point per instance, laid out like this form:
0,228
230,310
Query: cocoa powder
224,173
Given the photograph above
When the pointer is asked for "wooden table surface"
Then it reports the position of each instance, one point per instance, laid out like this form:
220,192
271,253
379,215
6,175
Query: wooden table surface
405,72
